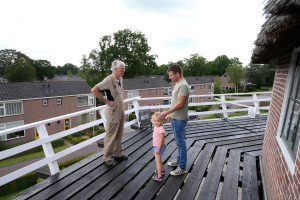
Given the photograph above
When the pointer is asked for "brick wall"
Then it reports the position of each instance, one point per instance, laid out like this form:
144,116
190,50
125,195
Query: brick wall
35,111
280,183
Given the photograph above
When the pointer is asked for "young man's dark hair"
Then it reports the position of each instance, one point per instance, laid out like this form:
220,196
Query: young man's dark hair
175,68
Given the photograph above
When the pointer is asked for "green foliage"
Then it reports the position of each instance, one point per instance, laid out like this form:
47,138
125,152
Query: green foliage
203,108
21,70
236,73
39,180
130,47
131,117
100,131
2,146
219,65
8,56
85,137
217,86
21,183
67,67
195,66
43,69
76,140
261,75
70,162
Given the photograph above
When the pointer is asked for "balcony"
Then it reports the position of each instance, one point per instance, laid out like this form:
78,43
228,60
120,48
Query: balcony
223,158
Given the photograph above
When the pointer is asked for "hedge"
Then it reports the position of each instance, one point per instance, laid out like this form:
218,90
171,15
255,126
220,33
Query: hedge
21,183
55,143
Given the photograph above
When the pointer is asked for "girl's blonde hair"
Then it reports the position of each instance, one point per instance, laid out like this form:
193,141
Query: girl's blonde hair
159,115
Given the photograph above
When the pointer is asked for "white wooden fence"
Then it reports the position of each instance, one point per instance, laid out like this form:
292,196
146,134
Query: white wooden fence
46,139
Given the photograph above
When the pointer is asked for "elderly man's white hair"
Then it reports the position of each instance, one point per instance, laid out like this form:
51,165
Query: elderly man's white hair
116,64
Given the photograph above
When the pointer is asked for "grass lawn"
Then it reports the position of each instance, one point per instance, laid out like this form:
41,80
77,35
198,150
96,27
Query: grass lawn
11,195
10,161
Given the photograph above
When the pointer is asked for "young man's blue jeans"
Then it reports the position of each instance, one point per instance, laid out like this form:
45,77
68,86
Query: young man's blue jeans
178,127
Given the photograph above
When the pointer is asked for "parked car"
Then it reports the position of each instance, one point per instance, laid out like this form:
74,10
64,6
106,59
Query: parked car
192,116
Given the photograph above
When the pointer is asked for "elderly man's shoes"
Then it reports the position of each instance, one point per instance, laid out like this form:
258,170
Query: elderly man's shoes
108,163
123,157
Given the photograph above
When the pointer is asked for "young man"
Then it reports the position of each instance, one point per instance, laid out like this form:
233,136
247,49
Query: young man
114,112
179,114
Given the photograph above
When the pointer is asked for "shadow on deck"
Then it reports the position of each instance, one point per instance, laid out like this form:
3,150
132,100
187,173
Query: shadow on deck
222,163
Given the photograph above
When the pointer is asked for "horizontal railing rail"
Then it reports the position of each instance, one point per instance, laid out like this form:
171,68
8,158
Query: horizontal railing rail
46,139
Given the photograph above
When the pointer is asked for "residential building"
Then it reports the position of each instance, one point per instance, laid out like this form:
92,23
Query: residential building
28,102
146,87
227,86
279,43
200,85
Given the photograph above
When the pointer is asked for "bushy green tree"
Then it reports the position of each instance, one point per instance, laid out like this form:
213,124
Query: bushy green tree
43,69
195,66
219,65
21,70
236,73
67,67
217,85
130,47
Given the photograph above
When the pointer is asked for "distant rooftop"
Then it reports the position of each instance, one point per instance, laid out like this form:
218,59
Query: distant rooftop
30,90
195,80
140,83
62,77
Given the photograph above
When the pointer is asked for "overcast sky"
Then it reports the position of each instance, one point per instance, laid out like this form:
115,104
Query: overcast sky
61,31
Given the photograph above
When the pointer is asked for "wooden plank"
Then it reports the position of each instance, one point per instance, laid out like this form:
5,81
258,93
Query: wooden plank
231,177
236,139
71,185
249,149
173,184
146,174
250,185
192,184
95,159
126,176
255,153
210,186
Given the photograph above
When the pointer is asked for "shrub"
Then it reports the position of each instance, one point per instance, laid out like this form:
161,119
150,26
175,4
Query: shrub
131,117
85,137
39,180
58,143
69,137
251,89
76,140
100,131
2,146
21,183
70,162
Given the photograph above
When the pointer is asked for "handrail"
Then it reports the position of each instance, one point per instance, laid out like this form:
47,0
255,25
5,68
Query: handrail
45,139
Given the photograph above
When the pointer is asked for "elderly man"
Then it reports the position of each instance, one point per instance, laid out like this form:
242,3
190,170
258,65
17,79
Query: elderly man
114,112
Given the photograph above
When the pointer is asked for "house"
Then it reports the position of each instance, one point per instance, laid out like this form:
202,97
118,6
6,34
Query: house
28,102
279,43
146,87
227,86
200,85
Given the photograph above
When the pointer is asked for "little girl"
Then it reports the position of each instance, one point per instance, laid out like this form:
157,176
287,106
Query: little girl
158,144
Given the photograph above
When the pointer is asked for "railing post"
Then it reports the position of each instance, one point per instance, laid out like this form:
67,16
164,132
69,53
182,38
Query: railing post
48,150
223,101
136,106
102,113
256,105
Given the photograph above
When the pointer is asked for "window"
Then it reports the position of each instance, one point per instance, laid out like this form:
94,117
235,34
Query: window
203,86
155,91
130,106
210,86
149,92
11,108
12,135
192,88
200,86
290,132
166,102
132,93
45,102
58,101
167,91
86,118
192,100
85,101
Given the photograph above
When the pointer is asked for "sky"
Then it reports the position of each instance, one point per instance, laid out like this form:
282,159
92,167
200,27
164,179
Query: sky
61,31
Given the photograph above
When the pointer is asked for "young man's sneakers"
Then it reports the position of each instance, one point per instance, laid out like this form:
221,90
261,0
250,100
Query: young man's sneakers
178,171
173,163
123,157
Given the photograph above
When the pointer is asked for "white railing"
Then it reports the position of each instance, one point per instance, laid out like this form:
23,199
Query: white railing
46,139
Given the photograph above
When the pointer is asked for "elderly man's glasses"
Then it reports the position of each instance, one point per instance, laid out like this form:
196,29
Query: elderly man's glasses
122,69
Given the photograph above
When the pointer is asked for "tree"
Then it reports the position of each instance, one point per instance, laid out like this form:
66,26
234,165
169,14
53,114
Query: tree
217,85
195,66
260,74
20,70
43,69
67,67
219,65
8,56
236,73
130,47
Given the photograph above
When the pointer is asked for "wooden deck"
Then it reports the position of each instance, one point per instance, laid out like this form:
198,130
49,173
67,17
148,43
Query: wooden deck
222,164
